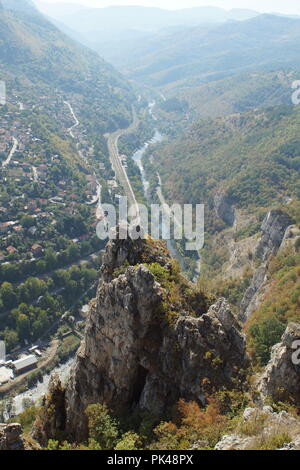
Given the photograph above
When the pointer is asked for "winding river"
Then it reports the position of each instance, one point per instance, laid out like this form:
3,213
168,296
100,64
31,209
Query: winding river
138,158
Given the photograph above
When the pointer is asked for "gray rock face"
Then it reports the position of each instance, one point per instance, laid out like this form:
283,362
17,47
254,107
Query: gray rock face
11,437
281,378
271,424
132,357
52,418
294,445
224,209
117,253
120,338
233,442
273,227
250,300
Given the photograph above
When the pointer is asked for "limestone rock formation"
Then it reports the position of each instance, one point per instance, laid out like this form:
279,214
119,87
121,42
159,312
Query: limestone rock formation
224,209
281,378
275,229
233,442
251,298
294,445
11,437
50,423
264,424
133,356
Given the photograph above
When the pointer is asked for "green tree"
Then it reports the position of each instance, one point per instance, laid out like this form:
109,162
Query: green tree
27,221
129,441
8,295
102,427
23,326
265,334
11,339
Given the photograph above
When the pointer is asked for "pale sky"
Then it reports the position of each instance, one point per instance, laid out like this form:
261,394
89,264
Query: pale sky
280,6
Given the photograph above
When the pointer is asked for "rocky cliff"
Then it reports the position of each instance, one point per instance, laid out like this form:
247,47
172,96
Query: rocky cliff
252,297
281,378
11,437
275,229
259,427
151,339
224,208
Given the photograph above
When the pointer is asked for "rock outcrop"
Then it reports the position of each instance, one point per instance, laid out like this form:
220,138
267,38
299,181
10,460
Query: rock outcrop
133,356
224,209
251,298
281,378
294,445
11,437
52,419
275,228
258,429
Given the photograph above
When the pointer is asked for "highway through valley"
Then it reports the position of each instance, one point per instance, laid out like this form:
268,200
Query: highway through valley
117,165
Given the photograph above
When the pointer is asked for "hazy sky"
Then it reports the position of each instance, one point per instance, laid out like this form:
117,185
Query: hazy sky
282,6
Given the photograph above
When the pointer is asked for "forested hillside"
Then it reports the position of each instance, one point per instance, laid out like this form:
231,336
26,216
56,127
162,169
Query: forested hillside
254,157
36,55
54,166
199,55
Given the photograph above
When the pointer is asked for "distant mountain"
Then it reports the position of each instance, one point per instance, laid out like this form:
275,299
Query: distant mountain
18,5
210,53
35,52
115,19
58,10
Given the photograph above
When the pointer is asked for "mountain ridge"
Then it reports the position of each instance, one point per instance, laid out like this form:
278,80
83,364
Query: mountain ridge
218,52
36,51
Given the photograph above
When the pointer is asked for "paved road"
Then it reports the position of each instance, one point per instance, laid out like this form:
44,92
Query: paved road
11,153
120,171
75,119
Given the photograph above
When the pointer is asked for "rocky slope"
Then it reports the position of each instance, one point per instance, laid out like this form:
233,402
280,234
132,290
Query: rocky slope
261,429
274,228
152,338
281,378
132,357
141,348
11,437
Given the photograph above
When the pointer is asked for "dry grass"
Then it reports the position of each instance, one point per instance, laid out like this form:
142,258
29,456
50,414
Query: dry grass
272,441
254,426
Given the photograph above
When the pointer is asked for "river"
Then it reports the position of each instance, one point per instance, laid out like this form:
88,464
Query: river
138,158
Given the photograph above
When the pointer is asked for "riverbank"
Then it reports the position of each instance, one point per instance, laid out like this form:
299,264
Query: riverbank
154,194
138,159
